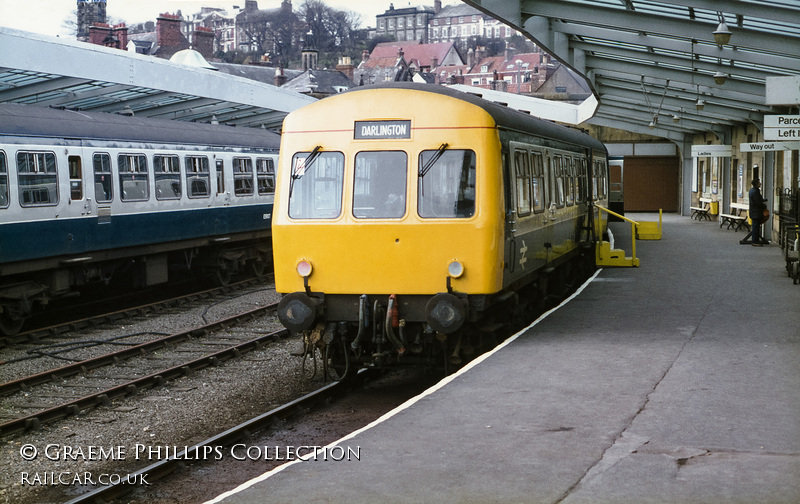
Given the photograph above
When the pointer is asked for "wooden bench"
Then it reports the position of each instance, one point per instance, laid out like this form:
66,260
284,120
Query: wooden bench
701,212
737,218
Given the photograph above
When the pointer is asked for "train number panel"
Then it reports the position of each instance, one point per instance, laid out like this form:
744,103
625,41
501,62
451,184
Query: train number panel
411,218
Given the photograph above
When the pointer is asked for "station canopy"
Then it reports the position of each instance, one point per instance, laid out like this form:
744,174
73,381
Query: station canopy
54,72
656,67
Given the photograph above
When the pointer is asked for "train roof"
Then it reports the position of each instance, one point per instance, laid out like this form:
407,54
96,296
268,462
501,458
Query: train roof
29,120
503,116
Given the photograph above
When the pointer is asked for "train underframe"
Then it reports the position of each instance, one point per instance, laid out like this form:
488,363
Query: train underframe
442,331
28,287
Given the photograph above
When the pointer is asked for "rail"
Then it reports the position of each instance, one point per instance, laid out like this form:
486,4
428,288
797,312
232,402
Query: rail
607,257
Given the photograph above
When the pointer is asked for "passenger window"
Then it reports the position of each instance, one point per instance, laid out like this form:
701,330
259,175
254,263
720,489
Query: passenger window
558,174
133,177
198,178
103,190
265,172
523,172
38,178
537,165
167,173
580,169
379,190
3,181
446,183
569,181
75,178
316,185
220,176
243,176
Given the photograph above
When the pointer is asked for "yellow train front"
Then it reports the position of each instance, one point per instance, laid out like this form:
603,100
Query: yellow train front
406,214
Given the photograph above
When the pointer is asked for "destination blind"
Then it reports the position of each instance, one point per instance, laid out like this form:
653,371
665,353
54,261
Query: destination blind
382,130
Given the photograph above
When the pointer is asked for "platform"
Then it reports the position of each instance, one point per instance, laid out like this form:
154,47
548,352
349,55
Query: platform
674,382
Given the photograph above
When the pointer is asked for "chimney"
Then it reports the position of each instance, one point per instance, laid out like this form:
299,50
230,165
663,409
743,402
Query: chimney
346,67
480,53
434,63
203,41
280,77
98,33
400,53
509,52
437,6
470,58
364,55
168,34
120,32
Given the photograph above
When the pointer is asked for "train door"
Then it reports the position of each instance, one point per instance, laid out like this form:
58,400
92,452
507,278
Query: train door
78,206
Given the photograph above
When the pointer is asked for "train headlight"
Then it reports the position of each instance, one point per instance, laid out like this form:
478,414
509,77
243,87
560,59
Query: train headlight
455,269
304,269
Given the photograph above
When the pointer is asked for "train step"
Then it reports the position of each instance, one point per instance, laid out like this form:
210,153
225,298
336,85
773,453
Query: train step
606,256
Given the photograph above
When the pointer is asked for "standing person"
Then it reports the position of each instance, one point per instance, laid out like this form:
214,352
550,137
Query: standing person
756,212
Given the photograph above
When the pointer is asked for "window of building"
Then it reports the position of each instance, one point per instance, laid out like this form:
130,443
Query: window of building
561,89
167,174
379,190
133,177
400,22
198,177
243,176
265,172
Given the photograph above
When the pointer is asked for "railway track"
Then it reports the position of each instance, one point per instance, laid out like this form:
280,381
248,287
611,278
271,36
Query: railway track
80,371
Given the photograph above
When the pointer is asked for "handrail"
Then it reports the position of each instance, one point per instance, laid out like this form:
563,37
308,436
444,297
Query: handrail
634,224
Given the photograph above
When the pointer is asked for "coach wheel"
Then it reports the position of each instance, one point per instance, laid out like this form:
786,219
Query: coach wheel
11,320
224,271
258,267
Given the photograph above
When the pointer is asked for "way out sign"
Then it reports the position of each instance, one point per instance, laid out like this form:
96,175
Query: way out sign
782,127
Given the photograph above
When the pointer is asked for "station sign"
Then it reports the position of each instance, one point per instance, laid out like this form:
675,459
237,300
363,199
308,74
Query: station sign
382,130
782,127
769,146
712,150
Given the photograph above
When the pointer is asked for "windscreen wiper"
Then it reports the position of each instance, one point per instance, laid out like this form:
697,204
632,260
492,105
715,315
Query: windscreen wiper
300,170
432,161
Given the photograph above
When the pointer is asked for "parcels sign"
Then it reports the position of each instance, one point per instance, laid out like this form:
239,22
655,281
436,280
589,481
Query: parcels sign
782,127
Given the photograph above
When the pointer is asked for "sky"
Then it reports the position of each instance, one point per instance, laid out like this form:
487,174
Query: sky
47,16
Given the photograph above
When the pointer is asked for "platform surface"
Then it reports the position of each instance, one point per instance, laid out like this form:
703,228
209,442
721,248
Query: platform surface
674,382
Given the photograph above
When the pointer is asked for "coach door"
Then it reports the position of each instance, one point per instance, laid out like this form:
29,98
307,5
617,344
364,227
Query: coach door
78,205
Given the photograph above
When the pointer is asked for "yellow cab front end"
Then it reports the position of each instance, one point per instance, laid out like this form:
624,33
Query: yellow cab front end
385,199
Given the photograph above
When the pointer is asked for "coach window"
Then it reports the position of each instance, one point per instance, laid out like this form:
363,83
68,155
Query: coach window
265,174
537,165
558,174
580,174
38,178
102,177
3,181
75,178
167,173
219,166
523,175
316,185
133,177
243,176
446,183
379,190
198,179
569,180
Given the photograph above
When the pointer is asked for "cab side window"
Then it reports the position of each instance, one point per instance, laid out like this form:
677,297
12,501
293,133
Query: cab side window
38,178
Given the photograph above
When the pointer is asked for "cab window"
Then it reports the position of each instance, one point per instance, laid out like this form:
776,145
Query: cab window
102,177
3,181
316,185
38,179
379,190
446,183
198,178
133,177
167,172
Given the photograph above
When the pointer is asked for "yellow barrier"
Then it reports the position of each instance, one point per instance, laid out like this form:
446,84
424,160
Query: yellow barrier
606,256
649,230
